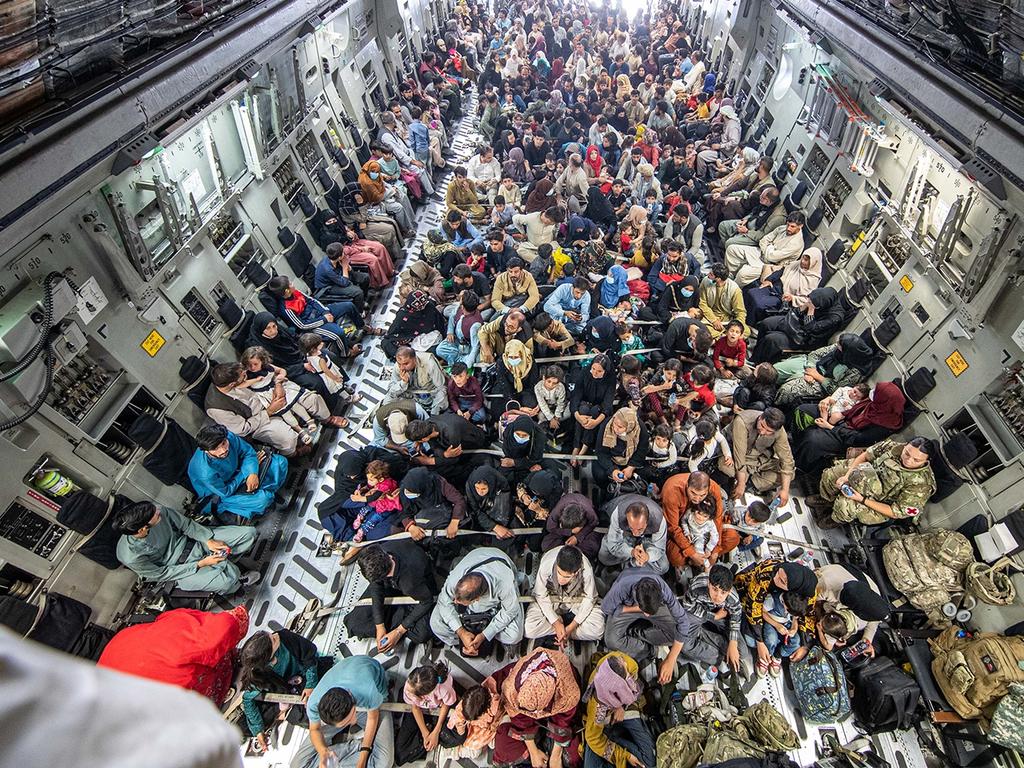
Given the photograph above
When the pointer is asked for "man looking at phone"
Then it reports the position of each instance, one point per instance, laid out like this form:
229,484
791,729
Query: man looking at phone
161,544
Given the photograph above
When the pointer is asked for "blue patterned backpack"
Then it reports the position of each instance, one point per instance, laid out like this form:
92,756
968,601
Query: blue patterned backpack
819,684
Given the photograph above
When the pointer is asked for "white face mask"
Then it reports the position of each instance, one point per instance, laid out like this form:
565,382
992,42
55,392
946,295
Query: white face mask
609,279
411,495
514,361
520,440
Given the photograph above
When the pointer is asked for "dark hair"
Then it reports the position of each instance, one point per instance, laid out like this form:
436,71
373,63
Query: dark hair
225,373
702,341
795,603
601,359
309,342
581,283
453,216
923,444
515,261
648,596
552,372
458,368
734,324
415,112
796,217
471,587
759,511
569,559
495,234
278,285
544,250
542,321
629,364
702,374
460,170
426,677
418,429
335,705
254,660
131,520
719,271
765,373
720,576
211,436
705,430
334,251
556,213
470,300
476,701
662,430
833,625
774,418
374,563
572,516
499,200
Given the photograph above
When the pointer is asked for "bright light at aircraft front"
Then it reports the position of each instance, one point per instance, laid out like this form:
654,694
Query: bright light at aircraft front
633,7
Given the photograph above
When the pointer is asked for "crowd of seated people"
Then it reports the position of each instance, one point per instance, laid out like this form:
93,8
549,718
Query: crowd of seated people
616,295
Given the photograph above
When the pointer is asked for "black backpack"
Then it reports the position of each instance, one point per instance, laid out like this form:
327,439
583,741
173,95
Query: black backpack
885,697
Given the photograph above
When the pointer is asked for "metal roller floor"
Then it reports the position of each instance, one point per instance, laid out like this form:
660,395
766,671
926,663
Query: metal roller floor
294,574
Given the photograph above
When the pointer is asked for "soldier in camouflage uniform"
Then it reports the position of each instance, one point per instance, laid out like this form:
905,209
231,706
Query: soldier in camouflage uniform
891,480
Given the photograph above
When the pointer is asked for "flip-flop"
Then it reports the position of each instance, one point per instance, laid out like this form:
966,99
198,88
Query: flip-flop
334,423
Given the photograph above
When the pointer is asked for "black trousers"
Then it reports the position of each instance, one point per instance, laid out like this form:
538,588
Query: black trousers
359,621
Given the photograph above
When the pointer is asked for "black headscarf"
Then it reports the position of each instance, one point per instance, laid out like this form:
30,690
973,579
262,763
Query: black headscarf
417,315
425,483
534,449
495,484
607,340
284,348
867,604
799,579
851,351
546,486
170,449
599,210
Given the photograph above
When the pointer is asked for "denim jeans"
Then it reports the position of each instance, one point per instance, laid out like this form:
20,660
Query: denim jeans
631,734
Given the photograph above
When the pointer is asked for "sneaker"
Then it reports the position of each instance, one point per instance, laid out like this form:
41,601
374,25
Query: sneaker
775,667
762,668
250,577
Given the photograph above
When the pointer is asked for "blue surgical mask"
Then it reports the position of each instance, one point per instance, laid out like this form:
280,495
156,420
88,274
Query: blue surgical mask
374,175
520,440
687,292
411,495
514,361
595,334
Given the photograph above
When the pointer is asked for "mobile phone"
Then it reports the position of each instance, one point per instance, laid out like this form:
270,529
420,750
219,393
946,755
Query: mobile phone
776,502
847,490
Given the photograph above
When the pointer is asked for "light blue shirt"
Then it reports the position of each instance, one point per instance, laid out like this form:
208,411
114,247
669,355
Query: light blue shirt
562,300
361,676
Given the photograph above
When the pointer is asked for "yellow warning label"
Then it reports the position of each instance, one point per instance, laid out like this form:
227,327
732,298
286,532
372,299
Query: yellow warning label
956,363
906,284
153,343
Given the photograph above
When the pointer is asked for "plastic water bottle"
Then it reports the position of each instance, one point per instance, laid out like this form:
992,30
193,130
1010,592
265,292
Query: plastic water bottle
807,558
710,674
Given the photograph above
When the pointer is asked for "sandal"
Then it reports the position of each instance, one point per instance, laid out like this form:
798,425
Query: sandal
338,421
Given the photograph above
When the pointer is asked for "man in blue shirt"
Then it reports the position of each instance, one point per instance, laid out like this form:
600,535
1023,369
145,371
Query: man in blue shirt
419,136
349,694
570,303
333,281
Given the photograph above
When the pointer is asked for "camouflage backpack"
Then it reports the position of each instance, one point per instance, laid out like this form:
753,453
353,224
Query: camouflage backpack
929,568
683,746
975,672
765,725
1007,727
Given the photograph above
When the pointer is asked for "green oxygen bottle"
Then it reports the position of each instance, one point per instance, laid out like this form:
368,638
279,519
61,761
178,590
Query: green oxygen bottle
53,483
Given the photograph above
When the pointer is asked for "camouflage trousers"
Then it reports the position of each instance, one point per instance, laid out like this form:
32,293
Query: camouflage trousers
865,480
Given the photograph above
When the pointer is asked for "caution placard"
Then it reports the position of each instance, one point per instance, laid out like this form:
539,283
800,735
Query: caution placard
906,284
956,362
153,343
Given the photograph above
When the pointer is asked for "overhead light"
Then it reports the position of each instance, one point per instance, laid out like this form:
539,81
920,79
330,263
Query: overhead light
144,147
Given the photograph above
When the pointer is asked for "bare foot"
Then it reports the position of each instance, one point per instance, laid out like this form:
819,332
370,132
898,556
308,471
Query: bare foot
338,421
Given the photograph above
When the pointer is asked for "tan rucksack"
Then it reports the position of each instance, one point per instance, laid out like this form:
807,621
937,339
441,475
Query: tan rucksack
929,569
975,672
